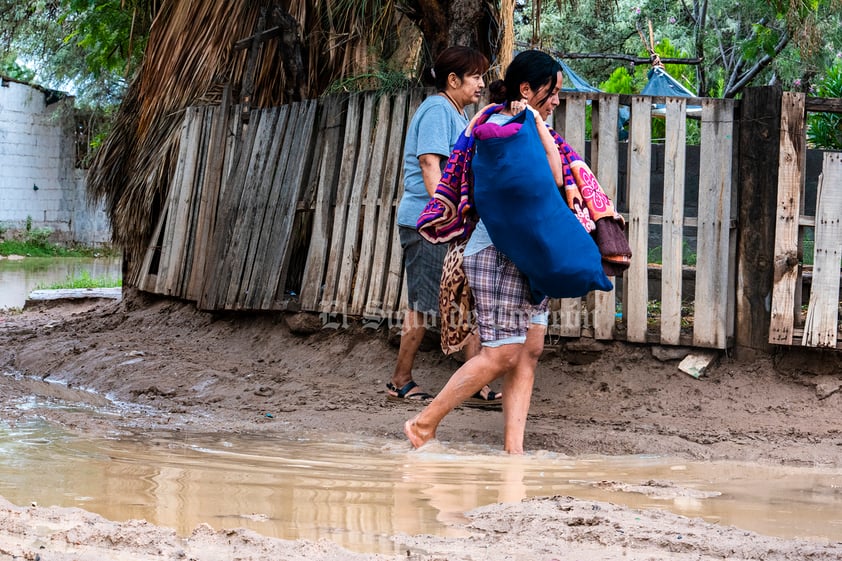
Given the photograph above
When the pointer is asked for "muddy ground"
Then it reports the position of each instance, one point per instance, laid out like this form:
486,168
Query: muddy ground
224,372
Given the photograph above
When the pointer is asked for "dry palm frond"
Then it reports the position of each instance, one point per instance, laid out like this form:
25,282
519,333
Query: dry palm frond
132,169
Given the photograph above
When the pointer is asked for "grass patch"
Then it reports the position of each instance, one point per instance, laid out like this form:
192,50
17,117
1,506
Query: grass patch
688,256
40,242
35,249
84,280
653,313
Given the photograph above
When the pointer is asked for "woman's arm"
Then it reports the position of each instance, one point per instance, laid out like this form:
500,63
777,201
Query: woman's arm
431,170
550,147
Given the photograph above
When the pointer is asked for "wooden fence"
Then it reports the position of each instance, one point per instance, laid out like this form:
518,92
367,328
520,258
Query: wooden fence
295,210
805,299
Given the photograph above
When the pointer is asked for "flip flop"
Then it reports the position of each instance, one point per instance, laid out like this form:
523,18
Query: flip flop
404,395
493,400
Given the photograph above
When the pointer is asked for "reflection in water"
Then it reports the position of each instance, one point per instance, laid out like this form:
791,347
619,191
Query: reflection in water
359,492
20,277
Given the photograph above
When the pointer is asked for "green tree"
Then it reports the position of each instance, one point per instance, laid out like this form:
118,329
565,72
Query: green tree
824,130
88,48
753,42
10,68
91,47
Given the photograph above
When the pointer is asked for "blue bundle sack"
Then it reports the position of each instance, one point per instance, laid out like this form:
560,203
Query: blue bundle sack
527,218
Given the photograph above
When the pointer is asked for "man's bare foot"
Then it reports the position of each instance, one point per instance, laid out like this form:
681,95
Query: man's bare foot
416,437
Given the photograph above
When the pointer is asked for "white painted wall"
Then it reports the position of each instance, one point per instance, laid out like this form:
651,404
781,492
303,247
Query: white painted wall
37,149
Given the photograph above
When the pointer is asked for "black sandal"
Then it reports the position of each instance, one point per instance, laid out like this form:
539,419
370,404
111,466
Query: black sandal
404,395
492,400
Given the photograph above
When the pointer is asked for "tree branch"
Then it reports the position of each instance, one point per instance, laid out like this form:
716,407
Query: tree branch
630,58
764,61
740,63
701,32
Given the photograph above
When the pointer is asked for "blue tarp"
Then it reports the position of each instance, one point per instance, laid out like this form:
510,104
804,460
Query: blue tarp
573,82
661,83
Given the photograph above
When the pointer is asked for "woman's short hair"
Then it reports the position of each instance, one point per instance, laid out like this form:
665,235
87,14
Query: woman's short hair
462,61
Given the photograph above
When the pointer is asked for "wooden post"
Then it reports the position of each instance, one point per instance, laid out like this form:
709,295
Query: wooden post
759,147
251,64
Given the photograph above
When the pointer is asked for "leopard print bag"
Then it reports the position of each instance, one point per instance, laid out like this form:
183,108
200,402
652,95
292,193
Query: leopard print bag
456,302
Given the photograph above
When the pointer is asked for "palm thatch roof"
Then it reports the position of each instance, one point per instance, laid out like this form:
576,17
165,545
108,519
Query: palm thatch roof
190,58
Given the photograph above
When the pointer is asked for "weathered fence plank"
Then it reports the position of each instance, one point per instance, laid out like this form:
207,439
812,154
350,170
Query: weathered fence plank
236,130
376,304
350,250
255,286
251,209
606,163
177,229
254,229
286,191
672,237
195,207
162,260
173,194
209,198
636,288
791,169
566,313
821,326
331,133
344,186
370,224
232,211
713,230
760,128
226,208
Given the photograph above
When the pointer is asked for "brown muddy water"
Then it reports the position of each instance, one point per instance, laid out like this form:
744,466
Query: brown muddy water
357,491
19,277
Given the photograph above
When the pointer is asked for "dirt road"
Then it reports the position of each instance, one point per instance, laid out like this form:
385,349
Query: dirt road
221,372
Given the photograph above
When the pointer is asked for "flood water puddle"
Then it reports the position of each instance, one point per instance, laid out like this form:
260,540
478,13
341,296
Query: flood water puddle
357,492
20,277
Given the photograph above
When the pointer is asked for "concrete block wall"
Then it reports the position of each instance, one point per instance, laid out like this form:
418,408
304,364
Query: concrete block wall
38,177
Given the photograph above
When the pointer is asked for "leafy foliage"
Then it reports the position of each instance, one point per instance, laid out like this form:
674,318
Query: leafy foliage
88,47
382,79
824,130
621,81
11,69
753,42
